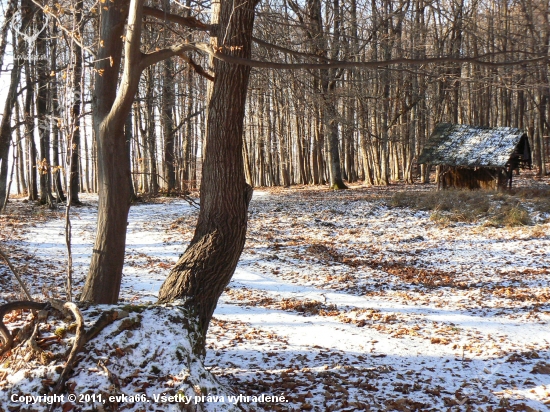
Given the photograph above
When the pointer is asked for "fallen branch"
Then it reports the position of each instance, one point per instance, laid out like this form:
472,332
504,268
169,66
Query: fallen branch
8,307
110,375
79,341
81,335
104,320
23,286
34,349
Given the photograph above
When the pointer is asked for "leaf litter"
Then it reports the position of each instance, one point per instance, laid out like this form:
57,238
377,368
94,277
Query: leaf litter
342,301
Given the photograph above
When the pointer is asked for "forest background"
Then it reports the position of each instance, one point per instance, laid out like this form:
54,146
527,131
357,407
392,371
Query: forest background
371,121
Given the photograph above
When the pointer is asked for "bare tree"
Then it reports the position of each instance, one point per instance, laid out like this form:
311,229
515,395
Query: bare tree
111,109
27,12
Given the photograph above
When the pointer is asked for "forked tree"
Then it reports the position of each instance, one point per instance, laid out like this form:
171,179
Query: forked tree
111,106
210,260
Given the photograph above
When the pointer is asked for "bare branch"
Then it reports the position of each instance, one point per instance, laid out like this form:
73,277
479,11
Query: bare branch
19,279
263,43
79,341
190,22
197,67
8,307
194,23
478,60
162,54
73,34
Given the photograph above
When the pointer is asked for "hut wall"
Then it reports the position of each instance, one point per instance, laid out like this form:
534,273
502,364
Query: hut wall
472,178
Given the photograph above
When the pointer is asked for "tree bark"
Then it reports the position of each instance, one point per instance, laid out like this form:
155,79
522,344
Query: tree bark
76,107
128,136
151,133
42,97
29,134
168,103
9,12
56,132
110,111
206,267
328,77
11,98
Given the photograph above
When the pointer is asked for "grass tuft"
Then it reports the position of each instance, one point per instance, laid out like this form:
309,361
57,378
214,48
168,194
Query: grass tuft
496,208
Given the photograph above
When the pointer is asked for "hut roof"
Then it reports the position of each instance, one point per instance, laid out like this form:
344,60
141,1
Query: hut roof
474,146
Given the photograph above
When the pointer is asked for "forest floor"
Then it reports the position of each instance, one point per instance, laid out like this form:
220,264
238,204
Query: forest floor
344,301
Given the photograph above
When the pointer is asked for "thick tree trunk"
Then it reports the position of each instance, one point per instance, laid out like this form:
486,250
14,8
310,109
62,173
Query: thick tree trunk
206,267
104,276
111,109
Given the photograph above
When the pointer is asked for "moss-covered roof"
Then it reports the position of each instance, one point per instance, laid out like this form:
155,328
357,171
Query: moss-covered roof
473,146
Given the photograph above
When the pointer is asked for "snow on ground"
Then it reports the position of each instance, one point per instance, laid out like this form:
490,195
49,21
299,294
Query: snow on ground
142,361
341,302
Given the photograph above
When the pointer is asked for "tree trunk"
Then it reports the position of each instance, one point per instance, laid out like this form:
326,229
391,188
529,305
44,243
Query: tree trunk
111,109
151,133
331,129
168,103
54,101
21,164
42,97
29,133
5,134
206,267
74,150
8,15
129,137
86,158
11,98
144,173
104,276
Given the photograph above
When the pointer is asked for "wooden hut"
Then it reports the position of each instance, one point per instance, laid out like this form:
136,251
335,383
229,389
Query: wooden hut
476,157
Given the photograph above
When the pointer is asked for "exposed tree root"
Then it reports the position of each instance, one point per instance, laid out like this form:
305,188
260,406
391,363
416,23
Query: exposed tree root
104,320
112,377
8,307
29,332
79,341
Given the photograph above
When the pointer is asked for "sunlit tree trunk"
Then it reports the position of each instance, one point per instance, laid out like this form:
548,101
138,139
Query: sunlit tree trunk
113,169
206,267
